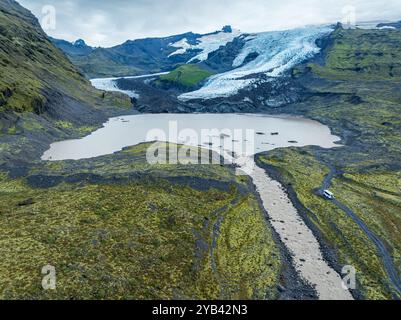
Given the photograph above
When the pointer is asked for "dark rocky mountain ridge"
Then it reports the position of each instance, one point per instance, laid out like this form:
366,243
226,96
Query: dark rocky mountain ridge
134,57
42,94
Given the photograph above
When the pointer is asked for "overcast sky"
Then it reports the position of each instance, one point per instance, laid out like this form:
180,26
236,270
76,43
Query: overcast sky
110,22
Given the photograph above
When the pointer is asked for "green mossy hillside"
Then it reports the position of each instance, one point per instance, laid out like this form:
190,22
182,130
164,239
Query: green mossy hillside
35,75
353,92
363,55
43,97
102,64
366,194
187,76
116,227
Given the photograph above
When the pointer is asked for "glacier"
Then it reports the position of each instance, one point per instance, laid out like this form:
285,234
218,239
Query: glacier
110,84
278,51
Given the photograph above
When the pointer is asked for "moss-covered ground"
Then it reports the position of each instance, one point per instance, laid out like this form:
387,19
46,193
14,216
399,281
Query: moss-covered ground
303,173
160,233
187,76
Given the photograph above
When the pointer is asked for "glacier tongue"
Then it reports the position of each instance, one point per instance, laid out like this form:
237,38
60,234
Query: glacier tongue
110,84
278,52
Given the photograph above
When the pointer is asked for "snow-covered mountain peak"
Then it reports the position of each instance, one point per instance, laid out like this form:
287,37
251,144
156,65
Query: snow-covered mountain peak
79,43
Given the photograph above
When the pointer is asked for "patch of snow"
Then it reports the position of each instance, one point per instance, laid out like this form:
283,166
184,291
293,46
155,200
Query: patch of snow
213,42
387,28
370,25
144,76
182,46
278,52
207,44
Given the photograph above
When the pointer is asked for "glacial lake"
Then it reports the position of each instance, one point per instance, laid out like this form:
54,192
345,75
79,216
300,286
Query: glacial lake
244,134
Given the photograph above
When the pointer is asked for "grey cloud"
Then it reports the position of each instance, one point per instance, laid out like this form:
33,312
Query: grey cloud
107,23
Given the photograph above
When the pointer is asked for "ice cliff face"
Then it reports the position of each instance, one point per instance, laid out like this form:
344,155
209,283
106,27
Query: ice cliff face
276,51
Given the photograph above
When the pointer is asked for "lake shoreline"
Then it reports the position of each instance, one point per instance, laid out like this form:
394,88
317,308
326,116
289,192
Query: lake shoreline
244,134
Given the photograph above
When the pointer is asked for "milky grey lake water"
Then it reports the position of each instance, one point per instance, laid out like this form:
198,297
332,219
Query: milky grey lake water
244,134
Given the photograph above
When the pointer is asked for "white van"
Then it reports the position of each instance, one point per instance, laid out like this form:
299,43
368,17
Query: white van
328,195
